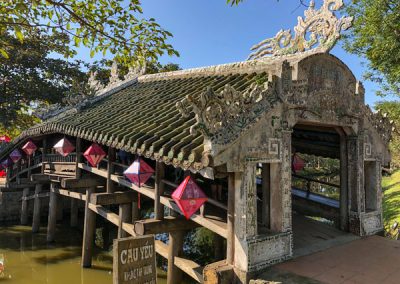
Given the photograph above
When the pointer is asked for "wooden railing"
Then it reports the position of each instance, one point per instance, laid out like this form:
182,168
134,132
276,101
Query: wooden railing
57,158
309,181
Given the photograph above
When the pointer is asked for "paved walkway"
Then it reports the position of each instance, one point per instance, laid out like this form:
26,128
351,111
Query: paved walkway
369,260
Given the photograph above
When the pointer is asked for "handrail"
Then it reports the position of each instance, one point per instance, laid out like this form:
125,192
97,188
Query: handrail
317,181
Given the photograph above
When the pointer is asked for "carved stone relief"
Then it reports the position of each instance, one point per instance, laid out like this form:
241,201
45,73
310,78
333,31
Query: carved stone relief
320,29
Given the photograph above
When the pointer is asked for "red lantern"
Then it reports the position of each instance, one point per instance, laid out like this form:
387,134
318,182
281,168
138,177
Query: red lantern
5,139
189,197
15,155
64,147
29,148
94,154
139,172
297,163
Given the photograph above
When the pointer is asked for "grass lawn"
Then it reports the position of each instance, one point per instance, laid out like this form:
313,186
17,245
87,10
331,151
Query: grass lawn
391,199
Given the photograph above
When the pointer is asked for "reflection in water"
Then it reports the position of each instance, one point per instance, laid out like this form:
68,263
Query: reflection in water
28,258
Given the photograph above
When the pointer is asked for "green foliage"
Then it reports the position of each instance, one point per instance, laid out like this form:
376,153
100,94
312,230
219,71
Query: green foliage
391,199
392,109
29,77
102,26
376,36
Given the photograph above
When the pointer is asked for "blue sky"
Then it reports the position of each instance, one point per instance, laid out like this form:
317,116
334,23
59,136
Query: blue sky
210,32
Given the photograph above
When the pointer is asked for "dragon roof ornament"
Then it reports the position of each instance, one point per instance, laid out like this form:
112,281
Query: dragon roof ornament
319,31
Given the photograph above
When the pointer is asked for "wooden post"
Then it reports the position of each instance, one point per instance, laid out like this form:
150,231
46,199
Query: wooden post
175,248
88,231
36,209
230,242
44,144
74,212
158,191
78,171
52,221
135,209
110,169
266,197
125,215
24,207
60,208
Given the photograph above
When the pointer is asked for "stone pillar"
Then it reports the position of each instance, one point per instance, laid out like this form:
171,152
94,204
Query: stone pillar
52,220
355,179
344,193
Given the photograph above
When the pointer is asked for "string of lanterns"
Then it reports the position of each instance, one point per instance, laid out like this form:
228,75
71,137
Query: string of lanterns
188,195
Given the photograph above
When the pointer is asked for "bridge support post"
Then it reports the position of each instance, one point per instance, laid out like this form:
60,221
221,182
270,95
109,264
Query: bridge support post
24,206
88,231
125,215
52,221
74,213
36,209
175,248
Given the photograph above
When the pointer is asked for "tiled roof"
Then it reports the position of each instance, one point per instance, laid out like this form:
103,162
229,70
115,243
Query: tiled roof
142,118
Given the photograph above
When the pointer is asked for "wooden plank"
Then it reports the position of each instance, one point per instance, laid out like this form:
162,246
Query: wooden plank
118,197
190,267
169,224
71,183
110,187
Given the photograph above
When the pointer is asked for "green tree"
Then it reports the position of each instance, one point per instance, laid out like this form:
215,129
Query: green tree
29,77
102,26
376,36
392,109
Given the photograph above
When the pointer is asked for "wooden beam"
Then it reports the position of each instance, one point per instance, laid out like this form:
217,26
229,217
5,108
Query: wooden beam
71,183
72,194
175,248
88,232
230,242
40,195
190,267
125,215
78,150
169,224
118,197
40,178
36,209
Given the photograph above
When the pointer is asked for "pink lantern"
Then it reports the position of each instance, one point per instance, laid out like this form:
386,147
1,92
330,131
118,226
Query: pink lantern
297,163
15,155
64,147
29,148
139,172
189,197
94,154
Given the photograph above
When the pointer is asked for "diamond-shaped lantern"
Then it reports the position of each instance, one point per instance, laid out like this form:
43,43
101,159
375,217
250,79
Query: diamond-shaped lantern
189,197
5,139
297,163
5,163
94,154
139,172
15,155
29,148
64,147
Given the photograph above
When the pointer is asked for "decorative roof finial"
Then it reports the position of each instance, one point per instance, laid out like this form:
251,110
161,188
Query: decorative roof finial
93,83
321,27
135,72
114,78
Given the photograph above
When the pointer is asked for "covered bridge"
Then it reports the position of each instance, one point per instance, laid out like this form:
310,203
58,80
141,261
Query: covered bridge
221,124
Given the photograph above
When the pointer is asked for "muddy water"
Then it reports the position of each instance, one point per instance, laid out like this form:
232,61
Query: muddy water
29,259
